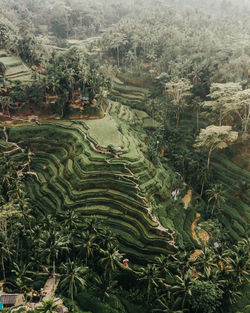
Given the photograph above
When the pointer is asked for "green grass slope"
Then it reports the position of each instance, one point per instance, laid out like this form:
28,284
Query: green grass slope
74,173
16,69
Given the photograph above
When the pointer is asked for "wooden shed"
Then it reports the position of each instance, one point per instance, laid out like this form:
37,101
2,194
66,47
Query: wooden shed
12,299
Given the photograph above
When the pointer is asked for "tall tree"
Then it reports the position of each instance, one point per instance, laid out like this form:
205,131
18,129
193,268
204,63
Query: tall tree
220,95
3,72
216,195
213,138
50,244
151,276
178,90
240,105
110,259
73,278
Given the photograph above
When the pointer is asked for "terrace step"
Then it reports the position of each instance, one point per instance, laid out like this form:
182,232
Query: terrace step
72,175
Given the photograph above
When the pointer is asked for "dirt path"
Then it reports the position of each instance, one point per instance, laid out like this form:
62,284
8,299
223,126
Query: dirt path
187,198
193,227
195,254
202,234
50,288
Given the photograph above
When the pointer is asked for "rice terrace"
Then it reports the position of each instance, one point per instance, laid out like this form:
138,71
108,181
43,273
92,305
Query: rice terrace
124,156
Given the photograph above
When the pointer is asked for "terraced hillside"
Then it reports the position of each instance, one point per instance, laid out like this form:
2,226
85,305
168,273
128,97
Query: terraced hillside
231,170
72,169
132,96
236,213
16,69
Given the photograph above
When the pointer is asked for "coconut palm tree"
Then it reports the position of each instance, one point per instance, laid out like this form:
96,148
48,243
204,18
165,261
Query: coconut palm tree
238,262
203,176
71,219
87,244
163,263
7,104
3,72
21,277
51,244
110,259
166,307
105,287
73,278
151,276
205,263
92,225
216,194
105,237
117,41
182,288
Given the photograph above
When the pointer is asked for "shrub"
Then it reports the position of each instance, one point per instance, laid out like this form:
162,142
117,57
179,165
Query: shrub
206,297
87,301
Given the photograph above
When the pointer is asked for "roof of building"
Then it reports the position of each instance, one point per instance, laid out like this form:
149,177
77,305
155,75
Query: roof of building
10,299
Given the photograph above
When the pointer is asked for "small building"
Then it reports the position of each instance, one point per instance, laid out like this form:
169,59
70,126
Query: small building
12,299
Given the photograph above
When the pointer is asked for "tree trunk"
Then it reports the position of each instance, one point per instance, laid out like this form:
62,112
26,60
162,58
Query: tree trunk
3,267
54,272
202,188
177,119
197,119
3,80
148,291
72,299
118,57
213,208
208,159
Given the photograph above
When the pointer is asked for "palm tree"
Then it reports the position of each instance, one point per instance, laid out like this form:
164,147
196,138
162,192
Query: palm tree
216,194
117,41
71,219
21,278
151,276
101,98
105,237
88,244
4,257
7,104
238,262
213,138
166,307
203,176
163,263
93,225
110,259
51,244
196,106
73,278
206,263
182,288
3,72
105,287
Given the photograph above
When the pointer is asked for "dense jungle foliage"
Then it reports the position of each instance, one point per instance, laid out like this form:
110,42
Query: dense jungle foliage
124,133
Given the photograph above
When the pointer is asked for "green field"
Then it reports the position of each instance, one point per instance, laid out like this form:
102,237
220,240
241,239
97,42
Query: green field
16,69
119,191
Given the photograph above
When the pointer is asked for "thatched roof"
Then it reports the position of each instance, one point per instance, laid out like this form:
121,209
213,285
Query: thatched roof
12,299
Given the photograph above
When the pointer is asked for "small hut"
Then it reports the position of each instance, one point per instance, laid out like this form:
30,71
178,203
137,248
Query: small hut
12,299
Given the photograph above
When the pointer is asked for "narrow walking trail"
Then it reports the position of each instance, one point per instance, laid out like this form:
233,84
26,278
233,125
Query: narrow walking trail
202,234
50,287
